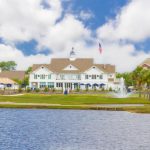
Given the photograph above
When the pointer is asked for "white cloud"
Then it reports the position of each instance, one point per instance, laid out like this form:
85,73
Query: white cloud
65,33
86,15
11,53
132,23
26,20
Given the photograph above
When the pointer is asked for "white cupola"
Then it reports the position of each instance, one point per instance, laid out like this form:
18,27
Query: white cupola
72,55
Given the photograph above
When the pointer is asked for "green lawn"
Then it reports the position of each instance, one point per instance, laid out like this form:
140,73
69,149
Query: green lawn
74,100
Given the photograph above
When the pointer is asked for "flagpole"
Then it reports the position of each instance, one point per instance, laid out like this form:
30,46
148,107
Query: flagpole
101,52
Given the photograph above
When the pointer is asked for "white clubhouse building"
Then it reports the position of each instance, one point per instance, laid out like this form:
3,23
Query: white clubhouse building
71,73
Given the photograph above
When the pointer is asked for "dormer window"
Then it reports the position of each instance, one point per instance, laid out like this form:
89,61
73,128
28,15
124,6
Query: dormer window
70,67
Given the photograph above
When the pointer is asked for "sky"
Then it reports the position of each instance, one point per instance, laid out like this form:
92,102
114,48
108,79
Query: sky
34,31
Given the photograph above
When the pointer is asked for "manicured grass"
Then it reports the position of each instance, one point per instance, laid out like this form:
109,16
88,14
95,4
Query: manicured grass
72,99
76,102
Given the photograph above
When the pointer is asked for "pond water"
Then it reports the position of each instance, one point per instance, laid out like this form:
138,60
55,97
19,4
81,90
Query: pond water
26,129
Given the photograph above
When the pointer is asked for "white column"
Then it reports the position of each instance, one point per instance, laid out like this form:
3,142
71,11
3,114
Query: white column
30,84
72,86
38,84
54,84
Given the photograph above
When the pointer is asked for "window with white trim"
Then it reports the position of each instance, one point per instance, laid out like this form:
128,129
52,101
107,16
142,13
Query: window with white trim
35,76
86,76
93,76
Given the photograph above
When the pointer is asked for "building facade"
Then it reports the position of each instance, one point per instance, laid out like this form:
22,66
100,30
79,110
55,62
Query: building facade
72,73
8,78
6,83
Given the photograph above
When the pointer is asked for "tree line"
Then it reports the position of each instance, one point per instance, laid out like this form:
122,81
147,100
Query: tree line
139,78
11,66
8,65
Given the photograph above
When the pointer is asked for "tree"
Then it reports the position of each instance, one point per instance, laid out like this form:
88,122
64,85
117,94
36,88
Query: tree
19,82
22,83
146,78
138,77
127,77
28,70
25,81
8,65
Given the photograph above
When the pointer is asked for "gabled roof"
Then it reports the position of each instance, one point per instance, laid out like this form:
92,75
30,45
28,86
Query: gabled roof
146,62
57,65
6,81
106,68
13,74
37,66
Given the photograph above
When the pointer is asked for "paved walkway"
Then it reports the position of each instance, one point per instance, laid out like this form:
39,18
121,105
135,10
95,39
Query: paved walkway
91,105
14,95
37,104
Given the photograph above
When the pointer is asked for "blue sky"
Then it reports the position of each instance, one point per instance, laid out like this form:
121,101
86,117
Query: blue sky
102,10
33,31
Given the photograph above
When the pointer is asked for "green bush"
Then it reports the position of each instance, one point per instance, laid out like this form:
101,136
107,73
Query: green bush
37,90
94,88
103,89
77,89
46,89
53,89
87,89
20,90
28,90
110,89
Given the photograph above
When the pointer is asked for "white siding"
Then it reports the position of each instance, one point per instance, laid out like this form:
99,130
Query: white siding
94,77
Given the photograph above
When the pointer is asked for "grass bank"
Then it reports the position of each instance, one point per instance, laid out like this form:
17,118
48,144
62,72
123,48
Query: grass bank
73,102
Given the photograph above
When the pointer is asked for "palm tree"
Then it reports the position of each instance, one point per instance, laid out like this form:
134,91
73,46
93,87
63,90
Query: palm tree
139,79
146,78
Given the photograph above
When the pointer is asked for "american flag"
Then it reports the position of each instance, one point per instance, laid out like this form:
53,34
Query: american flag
100,48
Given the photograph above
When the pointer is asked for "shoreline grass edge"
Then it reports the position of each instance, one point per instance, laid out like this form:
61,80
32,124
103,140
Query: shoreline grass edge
139,109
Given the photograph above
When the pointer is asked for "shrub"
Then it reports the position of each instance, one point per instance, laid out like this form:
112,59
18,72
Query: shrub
53,89
28,90
110,89
77,89
20,90
46,89
37,90
87,89
95,88
103,89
